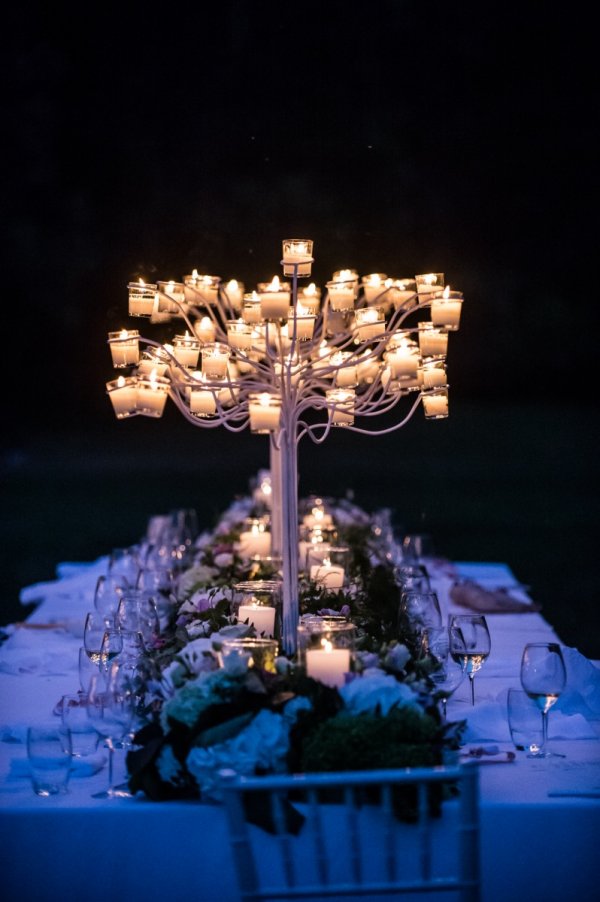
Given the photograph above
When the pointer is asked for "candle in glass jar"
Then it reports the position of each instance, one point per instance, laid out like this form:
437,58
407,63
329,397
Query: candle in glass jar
341,406
304,322
261,616
403,360
369,322
328,665
215,357
274,299
255,542
186,350
402,291
310,297
202,401
297,256
328,575
341,296
265,412
235,294
124,347
429,282
432,374
346,372
433,342
205,329
435,404
251,308
123,395
152,395
239,334
141,298
446,309
373,285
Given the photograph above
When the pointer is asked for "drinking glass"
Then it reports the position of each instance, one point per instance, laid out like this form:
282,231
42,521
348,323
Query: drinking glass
543,678
446,674
93,634
417,611
413,577
470,644
137,612
112,645
524,722
49,754
107,595
124,564
110,712
416,546
87,669
74,717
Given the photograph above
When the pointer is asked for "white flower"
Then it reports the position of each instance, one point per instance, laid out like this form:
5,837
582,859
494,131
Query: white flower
198,629
198,656
172,677
225,559
397,657
375,688
199,574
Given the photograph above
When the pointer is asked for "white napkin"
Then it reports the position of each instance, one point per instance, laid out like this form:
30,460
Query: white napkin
74,579
582,692
488,722
80,767
26,651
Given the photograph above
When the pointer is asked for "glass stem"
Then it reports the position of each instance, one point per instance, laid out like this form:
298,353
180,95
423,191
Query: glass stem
111,754
444,708
544,730
472,680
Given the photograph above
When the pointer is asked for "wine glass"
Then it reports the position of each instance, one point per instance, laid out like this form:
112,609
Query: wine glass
470,644
137,612
107,595
110,712
543,677
417,611
124,564
93,634
413,577
415,547
446,674
112,645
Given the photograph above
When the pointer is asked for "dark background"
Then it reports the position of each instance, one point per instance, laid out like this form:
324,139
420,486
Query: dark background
403,137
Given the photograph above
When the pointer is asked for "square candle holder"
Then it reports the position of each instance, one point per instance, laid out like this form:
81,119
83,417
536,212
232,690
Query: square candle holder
124,348
297,257
429,282
435,403
326,648
141,298
123,396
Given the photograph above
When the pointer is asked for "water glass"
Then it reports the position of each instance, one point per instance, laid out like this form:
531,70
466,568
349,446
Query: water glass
75,718
524,722
49,753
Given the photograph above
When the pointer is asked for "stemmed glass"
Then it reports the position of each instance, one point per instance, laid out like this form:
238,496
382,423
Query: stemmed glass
446,674
124,564
137,612
418,611
543,677
112,645
93,635
107,595
110,712
470,644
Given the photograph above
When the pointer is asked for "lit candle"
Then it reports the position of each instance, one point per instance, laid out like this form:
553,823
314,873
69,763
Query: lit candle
261,616
310,297
124,347
341,406
265,412
297,256
432,373
402,291
435,404
446,309
305,323
123,395
433,342
251,308
318,519
141,298
186,350
201,289
429,282
235,294
215,357
341,296
205,329
255,542
202,401
171,296
239,334
369,323
274,299
328,665
368,367
346,372
152,395
263,493
373,285
328,575
403,359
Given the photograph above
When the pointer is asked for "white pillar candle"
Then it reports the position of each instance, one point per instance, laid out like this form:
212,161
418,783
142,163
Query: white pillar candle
123,395
328,575
255,542
297,251
304,321
261,616
274,299
141,298
201,289
265,412
433,342
205,329
328,665
215,358
435,404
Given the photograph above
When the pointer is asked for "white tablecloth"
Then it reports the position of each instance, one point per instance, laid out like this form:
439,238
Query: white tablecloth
533,842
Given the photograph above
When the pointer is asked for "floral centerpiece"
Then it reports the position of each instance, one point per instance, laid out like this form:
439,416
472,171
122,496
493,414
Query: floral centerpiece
209,712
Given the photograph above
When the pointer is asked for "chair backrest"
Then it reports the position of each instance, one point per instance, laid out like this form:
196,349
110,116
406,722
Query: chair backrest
355,840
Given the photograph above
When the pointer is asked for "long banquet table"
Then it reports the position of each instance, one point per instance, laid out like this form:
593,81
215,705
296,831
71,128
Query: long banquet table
540,819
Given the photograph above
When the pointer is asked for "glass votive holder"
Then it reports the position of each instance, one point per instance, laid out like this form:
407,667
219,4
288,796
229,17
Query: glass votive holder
346,275
274,299
49,752
369,323
124,347
340,402
403,360
374,287
310,297
203,402
402,292
152,363
301,323
524,722
297,256
432,373
205,330
258,602
171,296
265,412
435,403
233,294
123,396
341,296
446,309
141,298
325,648
251,308
345,370
239,334
255,538
152,396
186,350
262,489
429,282
330,573
201,290
215,357
433,341
238,655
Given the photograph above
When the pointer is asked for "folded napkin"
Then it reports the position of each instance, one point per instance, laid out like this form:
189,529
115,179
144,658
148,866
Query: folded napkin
488,722
80,767
582,692
469,594
73,579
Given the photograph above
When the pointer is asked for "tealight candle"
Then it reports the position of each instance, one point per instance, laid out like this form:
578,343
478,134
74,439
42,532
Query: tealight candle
446,309
369,323
255,541
261,616
368,367
274,299
303,321
239,334
152,395
186,350
327,664
433,342
318,519
429,282
402,291
341,296
123,395
310,297
201,289
124,347
403,360
328,575
373,285
205,330
234,292
432,373
265,412
171,296
215,357
297,256
341,406
346,372
435,404
141,298
251,308
202,401
263,493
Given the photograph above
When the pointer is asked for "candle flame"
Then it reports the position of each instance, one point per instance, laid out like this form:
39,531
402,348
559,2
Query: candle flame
446,293
430,278
327,646
346,275
275,284
142,283
232,285
265,399
123,333
195,274
120,382
374,279
310,289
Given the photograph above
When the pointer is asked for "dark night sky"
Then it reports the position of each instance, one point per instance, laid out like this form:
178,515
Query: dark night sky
402,136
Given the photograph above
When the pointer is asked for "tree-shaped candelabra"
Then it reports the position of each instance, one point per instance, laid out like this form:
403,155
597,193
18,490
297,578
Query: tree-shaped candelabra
285,362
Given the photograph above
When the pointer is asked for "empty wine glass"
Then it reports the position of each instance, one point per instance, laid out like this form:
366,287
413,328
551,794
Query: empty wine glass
107,595
110,712
93,634
445,673
470,644
124,564
413,577
417,611
415,547
112,645
137,612
543,677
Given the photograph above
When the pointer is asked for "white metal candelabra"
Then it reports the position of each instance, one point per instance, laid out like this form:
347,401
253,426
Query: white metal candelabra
272,358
